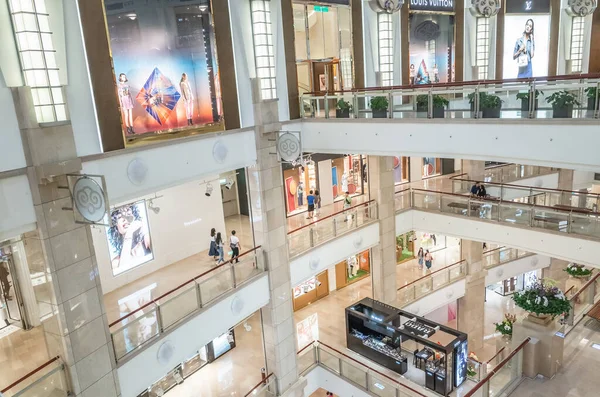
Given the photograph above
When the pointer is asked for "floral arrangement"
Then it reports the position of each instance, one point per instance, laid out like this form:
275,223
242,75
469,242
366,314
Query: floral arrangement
543,298
506,326
471,370
577,270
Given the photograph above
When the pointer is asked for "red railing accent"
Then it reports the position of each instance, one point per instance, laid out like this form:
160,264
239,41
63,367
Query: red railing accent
155,301
461,84
498,368
262,382
329,216
495,355
21,379
592,280
370,368
431,274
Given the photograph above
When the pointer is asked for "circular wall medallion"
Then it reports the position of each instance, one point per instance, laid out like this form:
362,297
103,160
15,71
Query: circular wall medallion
427,30
449,294
390,6
88,197
416,310
499,272
165,353
485,8
237,305
220,152
137,171
534,261
358,241
582,8
288,147
313,262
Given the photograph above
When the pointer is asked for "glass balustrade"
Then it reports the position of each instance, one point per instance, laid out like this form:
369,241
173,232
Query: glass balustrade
47,380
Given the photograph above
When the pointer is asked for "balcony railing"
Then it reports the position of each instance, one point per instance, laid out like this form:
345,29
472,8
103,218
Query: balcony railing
470,99
504,378
506,173
327,228
575,221
134,330
46,380
582,301
447,275
265,388
356,372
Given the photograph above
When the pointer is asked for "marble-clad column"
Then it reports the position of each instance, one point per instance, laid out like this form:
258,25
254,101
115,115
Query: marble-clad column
383,265
71,299
475,169
268,216
471,306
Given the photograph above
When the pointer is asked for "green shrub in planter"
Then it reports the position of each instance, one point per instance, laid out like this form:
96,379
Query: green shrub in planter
343,109
591,95
490,106
471,98
379,107
439,103
562,104
524,97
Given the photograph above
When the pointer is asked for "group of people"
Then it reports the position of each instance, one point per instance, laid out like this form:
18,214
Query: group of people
314,201
217,246
424,255
478,190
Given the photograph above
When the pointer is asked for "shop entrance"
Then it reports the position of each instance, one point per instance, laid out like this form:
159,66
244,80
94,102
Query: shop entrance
11,302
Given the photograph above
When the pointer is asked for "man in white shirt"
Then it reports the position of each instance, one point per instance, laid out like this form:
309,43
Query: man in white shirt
234,244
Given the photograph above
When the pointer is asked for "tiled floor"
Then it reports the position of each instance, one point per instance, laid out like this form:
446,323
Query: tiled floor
20,352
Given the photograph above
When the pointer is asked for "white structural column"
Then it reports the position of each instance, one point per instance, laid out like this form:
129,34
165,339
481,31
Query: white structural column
565,182
475,169
72,309
471,306
383,266
265,182
556,272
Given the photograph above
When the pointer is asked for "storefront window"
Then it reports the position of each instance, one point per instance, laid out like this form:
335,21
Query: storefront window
165,65
405,246
401,170
431,166
300,32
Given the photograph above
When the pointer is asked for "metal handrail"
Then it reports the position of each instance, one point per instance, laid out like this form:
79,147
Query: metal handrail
29,374
259,384
366,203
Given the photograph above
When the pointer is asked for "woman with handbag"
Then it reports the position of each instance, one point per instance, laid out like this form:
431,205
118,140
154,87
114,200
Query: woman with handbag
524,51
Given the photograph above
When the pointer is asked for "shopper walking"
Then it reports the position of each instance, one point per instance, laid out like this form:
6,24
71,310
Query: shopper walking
428,260
420,256
348,205
310,200
219,245
234,244
212,251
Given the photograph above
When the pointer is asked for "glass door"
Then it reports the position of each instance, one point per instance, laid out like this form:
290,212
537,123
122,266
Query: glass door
11,303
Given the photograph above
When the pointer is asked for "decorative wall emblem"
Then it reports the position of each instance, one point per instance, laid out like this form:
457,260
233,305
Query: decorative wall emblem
485,8
389,6
582,8
165,353
289,146
220,152
449,294
534,261
358,241
499,272
237,305
88,199
427,30
313,262
137,171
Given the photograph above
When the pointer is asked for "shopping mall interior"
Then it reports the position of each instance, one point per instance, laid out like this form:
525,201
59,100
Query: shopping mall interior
299,198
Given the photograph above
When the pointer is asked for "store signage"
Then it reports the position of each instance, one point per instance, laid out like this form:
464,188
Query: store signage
340,2
418,328
528,6
432,5
321,9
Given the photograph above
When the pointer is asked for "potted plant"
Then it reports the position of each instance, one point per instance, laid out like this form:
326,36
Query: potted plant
472,365
543,300
578,271
471,98
505,327
591,94
490,106
379,107
439,103
343,109
524,97
562,104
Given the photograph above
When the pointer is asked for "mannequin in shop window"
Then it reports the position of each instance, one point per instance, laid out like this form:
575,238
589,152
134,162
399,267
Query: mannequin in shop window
300,193
352,266
344,182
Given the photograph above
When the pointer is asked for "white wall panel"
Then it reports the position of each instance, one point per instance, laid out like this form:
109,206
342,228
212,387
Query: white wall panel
516,267
437,299
144,369
17,215
507,141
319,259
173,163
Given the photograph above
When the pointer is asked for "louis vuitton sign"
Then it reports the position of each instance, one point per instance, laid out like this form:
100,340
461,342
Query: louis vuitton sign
528,6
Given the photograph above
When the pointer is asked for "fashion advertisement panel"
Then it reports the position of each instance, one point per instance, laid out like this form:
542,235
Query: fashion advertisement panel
431,46
526,40
128,237
165,65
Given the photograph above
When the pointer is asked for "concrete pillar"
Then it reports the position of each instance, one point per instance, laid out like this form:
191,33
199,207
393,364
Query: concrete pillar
268,216
71,301
556,272
565,182
416,169
383,265
471,306
475,169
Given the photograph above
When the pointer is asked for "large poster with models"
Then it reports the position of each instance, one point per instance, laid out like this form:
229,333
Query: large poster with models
526,40
129,239
431,45
165,64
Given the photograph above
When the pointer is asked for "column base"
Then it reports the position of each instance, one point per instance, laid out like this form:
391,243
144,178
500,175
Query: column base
543,355
297,389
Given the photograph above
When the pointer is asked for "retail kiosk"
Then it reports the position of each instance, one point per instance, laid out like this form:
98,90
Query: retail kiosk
408,344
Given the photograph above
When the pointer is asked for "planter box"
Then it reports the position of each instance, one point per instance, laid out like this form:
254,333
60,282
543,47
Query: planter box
542,319
342,113
562,112
525,105
591,103
379,114
491,113
439,112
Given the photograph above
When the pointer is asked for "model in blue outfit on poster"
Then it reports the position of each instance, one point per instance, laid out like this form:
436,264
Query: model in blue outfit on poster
524,50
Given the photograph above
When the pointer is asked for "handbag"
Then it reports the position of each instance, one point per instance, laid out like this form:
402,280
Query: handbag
522,60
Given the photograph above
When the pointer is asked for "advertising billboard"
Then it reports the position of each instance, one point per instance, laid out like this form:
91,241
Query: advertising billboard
128,237
526,45
165,65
